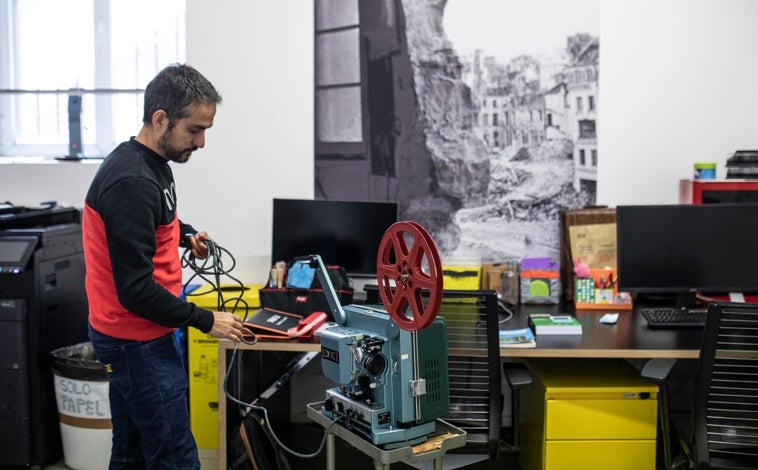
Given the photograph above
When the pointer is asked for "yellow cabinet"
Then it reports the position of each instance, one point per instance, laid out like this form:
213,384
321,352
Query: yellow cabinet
596,414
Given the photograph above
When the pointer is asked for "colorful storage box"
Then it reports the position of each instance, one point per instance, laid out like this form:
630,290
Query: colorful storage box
540,281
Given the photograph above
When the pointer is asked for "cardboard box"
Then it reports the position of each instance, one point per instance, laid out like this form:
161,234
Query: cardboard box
574,217
492,276
202,357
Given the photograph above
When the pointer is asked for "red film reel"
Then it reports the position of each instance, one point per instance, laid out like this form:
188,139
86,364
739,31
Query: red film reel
409,258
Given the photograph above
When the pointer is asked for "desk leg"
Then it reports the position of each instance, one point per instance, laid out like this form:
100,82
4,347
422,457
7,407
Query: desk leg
221,409
330,462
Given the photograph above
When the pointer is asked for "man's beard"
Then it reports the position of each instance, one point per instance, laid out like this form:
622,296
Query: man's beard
172,153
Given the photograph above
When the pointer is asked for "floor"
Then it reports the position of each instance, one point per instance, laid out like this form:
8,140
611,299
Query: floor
57,466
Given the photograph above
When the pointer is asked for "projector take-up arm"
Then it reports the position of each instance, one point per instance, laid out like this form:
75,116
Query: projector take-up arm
315,262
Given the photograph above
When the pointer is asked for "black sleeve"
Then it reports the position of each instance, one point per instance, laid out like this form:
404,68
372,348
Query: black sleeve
184,230
131,210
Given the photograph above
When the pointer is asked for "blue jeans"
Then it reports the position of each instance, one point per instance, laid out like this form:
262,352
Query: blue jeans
148,400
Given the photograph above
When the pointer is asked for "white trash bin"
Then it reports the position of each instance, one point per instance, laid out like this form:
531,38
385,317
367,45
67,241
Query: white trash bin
81,392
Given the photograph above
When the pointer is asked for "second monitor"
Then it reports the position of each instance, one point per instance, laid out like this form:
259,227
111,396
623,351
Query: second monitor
678,251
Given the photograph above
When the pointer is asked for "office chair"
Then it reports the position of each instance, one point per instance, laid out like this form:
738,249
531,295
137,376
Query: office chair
474,368
721,431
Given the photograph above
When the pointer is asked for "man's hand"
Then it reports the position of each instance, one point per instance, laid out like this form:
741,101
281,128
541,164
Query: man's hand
226,326
199,249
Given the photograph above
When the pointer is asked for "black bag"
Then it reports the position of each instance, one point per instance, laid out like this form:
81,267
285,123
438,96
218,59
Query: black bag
306,301
252,447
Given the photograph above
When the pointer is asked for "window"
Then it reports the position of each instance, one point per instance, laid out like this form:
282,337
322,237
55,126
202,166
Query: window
355,116
587,129
582,158
339,96
591,103
494,119
104,51
594,157
579,106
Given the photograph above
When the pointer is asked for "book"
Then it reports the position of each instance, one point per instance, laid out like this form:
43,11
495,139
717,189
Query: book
519,338
546,324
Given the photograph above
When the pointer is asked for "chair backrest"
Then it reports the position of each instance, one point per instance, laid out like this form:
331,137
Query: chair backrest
725,399
471,322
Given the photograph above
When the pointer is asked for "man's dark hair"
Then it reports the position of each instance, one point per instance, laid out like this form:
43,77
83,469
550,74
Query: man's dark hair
176,87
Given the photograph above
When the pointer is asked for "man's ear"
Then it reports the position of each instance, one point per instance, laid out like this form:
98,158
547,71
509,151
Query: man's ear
160,120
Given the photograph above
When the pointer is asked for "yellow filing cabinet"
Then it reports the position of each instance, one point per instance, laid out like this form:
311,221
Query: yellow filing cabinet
595,414
202,356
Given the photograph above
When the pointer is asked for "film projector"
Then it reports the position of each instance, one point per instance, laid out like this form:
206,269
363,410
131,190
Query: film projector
389,364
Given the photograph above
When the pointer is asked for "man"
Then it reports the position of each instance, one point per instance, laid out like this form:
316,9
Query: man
132,234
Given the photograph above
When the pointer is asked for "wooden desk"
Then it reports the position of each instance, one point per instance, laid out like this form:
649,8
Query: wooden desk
629,338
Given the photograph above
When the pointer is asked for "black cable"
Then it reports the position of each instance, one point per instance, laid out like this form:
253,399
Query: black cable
254,406
210,270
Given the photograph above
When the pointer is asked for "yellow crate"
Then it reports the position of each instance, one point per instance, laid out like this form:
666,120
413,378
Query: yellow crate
208,298
202,357
461,274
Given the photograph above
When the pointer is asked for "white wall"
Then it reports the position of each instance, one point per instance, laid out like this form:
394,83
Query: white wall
259,54
677,85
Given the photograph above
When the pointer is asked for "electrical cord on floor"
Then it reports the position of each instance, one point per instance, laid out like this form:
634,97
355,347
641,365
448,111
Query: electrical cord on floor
254,406
210,270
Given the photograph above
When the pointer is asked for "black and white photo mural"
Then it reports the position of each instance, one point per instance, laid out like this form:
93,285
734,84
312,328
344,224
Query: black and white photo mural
478,117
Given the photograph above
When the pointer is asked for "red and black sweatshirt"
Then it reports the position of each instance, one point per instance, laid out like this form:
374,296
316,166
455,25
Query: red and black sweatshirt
131,237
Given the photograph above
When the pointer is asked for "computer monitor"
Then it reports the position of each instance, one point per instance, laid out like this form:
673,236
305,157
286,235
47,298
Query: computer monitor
344,233
679,251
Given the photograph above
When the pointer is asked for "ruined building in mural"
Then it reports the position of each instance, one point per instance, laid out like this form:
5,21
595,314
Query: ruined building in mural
485,155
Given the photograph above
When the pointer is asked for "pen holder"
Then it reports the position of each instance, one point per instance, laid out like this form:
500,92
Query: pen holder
599,291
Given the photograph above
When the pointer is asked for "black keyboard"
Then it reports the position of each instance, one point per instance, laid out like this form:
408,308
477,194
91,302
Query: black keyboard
673,317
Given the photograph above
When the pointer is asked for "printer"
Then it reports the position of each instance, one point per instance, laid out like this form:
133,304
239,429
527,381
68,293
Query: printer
43,307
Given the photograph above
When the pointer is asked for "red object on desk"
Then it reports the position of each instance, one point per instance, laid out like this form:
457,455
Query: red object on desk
307,326
749,298
710,191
